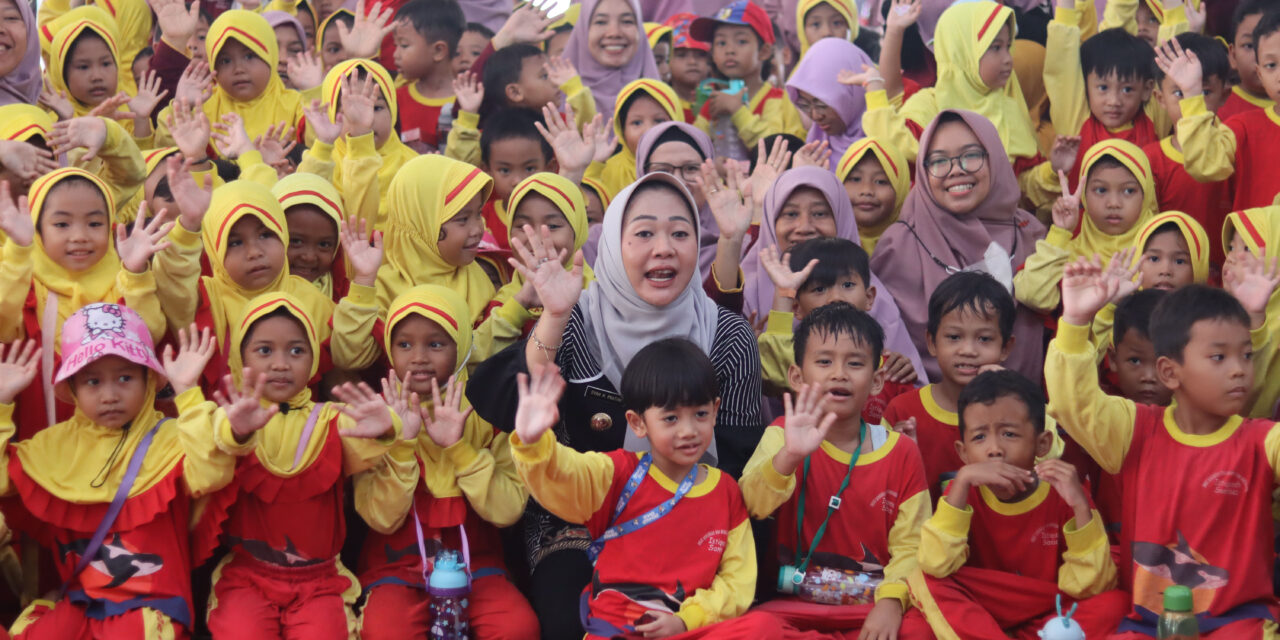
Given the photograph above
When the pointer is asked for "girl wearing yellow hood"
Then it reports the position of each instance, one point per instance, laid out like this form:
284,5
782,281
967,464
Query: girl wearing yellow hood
1250,237
876,177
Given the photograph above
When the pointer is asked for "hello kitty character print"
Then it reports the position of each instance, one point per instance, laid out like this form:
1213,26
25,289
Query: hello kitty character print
101,320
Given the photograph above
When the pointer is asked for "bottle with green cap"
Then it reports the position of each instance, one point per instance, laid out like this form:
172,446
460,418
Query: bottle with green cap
1178,622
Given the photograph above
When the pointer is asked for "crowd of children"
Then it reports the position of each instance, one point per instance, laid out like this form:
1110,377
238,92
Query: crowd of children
664,318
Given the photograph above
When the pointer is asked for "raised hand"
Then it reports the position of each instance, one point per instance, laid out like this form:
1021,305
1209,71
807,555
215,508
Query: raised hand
996,474
1066,209
814,154
364,38
1252,279
867,77
449,422
317,116
88,133
137,247
358,100
729,198
604,142
305,69
18,364
15,217
1123,270
363,252
192,199
190,129
558,288
539,407
1063,155
807,423
406,404
1064,479
243,406
468,92
1182,66
527,24
195,85
902,15
177,21
230,136
149,95
56,101
367,409
784,279
1196,17
110,108
573,151
560,70
768,168
26,161
898,368
276,143
1085,290
195,349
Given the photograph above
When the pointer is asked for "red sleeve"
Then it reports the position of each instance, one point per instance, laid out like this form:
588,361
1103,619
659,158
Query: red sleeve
168,65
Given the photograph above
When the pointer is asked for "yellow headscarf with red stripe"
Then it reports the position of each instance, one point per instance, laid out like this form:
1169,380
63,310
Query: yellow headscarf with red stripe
309,188
1093,240
442,306
655,32
1192,233
96,22
601,192
846,8
894,165
1259,227
620,170
328,23
276,103
566,197
21,122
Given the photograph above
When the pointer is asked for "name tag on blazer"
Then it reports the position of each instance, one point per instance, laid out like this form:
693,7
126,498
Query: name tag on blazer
601,394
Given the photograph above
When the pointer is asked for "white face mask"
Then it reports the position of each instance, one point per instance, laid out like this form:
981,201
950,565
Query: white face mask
995,263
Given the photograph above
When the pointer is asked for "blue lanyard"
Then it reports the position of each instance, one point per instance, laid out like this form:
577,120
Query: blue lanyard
647,518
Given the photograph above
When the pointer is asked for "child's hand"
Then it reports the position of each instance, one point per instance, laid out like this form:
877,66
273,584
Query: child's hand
406,404
786,281
1062,157
195,349
886,616
195,86
1066,209
768,167
730,200
305,70
604,141
1252,280
317,116
18,364
807,426
992,473
371,415
558,288
25,160
177,22
358,100
906,427
724,104
149,95
232,140
15,217
758,321
192,199
136,248
898,368
88,133
1195,17
1085,290
56,101
539,408
560,70
468,91
446,427
189,127
1182,66
244,406
363,251
1064,480
902,14
527,24
364,38
573,150
814,154
663,624
1124,271
868,78
276,143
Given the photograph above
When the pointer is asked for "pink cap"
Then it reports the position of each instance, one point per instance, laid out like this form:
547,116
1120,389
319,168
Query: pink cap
103,329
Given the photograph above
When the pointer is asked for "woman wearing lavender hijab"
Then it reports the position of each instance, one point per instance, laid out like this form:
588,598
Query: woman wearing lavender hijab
609,49
19,55
834,109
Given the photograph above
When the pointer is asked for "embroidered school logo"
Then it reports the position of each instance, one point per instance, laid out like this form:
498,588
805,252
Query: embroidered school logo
1226,483
115,560
1046,535
103,319
714,541
887,501
1159,566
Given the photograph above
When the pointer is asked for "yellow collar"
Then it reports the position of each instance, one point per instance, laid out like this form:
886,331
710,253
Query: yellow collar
1200,440
936,412
1015,508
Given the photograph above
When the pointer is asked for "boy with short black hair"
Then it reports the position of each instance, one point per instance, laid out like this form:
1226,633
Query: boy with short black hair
511,149
475,37
1131,352
1248,93
1002,546
426,37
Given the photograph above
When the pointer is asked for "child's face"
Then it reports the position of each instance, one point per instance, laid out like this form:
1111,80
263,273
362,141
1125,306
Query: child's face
679,435
255,254
535,85
289,45
537,211
966,342
1216,372
556,45
689,67
423,351
110,391
470,46
1148,24
847,288
1133,359
823,21
157,202
1113,199
1269,64
843,368
805,215
512,160
414,55
1003,431
308,27
91,71
659,246
313,241
737,51
278,347
870,192
1236,248
1166,262
195,44
383,126
460,235
331,49
1115,102
959,192
1216,92
595,208
996,65
1244,59
240,72
74,226
644,114
820,113
662,57
139,68
612,33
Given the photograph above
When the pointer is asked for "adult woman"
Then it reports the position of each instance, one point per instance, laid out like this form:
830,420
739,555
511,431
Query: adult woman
961,214
647,287
679,149
19,53
609,49
835,109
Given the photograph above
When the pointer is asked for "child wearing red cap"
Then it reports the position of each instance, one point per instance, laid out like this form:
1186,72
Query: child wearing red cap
690,62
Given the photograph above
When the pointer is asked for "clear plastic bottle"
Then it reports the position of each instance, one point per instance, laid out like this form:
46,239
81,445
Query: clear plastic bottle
724,136
1178,622
828,585
448,587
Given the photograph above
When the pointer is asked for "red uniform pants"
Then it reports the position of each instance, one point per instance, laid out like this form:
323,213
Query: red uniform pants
66,621
495,607
253,600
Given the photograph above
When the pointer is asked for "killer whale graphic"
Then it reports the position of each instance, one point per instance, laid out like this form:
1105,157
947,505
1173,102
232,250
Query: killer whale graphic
115,560
263,551
393,555
1178,565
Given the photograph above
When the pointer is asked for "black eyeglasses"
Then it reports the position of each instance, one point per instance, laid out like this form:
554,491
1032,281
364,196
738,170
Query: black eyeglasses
970,162
688,172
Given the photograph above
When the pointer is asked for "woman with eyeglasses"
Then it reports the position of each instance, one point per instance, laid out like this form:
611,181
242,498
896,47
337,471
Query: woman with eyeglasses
833,109
961,215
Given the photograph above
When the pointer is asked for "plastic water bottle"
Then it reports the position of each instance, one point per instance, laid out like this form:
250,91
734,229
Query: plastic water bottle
828,585
724,136
1178,622
448,588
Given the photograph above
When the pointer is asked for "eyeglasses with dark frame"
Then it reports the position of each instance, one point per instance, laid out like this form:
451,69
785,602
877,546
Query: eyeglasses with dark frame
688,172
970,162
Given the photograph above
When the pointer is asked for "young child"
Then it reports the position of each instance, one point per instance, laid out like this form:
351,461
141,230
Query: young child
741,39
511,150
1119,199
672,546
457,472
313,212
84,67
642,105
1248,93
1197,464
1130,350
820,19
1249,236
29,126
282,516
475,37
329,40
690,63
1172,251
659,36
1002,546
291,40
597,200
876,177
132,576
875,473
1176,190
427,38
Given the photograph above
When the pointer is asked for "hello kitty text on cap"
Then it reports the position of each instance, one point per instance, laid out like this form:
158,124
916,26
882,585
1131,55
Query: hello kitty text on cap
103,329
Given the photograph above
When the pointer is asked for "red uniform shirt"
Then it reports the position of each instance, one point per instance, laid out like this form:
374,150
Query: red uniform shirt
1256,174
1240,102
1023,538
1207,202
937,431
873,410
1141,132
420,116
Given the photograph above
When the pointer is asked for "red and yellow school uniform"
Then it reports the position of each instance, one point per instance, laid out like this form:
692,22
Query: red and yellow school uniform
620,169
1241,101
766,113
697,561
420,115
1260,230
471,484
937,431
1181,492
88,20
996,568
282,516
895,167
463,141
310,189
1240,148
1207,202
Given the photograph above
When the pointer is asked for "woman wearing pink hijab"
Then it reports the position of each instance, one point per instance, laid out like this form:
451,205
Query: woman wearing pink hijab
609,49
943,230
834,109
20,60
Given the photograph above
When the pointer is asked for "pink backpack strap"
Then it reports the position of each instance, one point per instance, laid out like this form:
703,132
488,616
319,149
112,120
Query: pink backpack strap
306,434
49,335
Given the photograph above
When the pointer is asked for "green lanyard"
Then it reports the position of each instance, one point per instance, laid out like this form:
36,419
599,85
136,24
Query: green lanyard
832,505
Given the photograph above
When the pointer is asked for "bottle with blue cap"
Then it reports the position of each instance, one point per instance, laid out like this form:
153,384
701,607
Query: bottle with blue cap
449,587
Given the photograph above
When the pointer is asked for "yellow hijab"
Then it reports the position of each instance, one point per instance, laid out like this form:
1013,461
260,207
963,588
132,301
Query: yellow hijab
566,197
963,34
97,22
309,188
133,22
1260,228
846,8
620,170
1194,235
276,103
895,166
1093,240
227,299
20,122
328,22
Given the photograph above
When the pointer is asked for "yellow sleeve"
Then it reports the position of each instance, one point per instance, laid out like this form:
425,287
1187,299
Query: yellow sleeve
7,430
123,168
463,142
1102,424
1063,78
579,100
362,454
1270,445
1208,146
1036,284
15,284
570,484
1175,23
139,293
1100,332
777,350
501,329
359,185
1087,568
253,169
352,343
882,121
1120,13
225,439
944,540
731,590
777,116
205,467
1040,185
318,159
486,474
177,276
384,494
904,547
763,488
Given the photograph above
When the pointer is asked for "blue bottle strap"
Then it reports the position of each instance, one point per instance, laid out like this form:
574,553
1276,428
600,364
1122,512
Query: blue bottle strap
649,517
